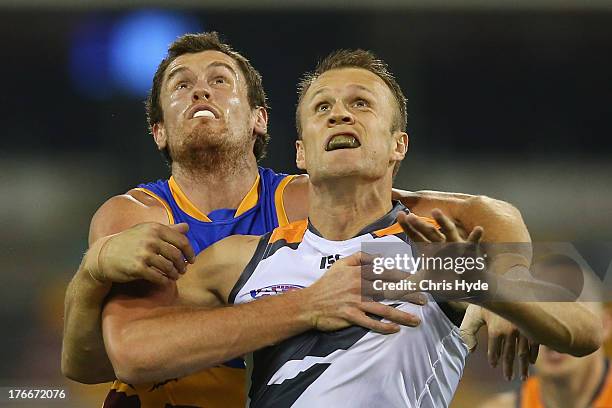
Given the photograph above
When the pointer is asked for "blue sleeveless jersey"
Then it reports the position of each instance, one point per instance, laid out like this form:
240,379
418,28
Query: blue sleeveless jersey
260,212
256,215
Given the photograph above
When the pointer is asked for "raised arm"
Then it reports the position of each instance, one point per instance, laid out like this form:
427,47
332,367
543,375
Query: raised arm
568,327
120,251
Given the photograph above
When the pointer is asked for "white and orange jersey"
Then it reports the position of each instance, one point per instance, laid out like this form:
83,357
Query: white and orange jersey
353,367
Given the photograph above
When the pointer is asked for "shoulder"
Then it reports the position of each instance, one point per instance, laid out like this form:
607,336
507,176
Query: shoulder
502,400
295,197
124,211
219,266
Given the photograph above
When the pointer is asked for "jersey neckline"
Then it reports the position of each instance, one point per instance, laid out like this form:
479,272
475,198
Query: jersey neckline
385,221
249,201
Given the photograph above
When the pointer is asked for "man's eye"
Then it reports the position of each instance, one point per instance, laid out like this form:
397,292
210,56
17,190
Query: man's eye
322,107
219,81
360,103
182,85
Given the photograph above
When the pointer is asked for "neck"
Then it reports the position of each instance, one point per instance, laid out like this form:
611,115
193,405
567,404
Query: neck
340,208
575,390
203,185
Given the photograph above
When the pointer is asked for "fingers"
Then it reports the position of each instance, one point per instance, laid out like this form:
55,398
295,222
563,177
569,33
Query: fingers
415,298
162,266
358,259
181,227
471,324
509,353
390,313
523,357
419,230
174,255
494,349
447,227
155,276
476,235
175,235
534,349
360,319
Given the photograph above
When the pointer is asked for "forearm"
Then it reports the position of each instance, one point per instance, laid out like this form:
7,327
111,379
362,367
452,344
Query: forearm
177,341
567,327
84,357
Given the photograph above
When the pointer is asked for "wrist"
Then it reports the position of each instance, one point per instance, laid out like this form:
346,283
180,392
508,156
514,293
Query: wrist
306,307
92,272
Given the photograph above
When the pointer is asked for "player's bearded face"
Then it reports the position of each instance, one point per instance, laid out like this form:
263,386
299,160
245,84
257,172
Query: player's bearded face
207,118
346,118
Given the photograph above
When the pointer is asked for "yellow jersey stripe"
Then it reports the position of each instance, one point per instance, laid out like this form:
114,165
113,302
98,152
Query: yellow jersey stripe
281,215
162,201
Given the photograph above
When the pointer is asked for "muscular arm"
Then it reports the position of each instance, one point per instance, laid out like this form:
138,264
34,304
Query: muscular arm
567,327
83,355
154,333
157,333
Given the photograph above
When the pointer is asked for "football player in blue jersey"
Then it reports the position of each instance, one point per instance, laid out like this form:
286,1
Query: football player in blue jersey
350,144
208,113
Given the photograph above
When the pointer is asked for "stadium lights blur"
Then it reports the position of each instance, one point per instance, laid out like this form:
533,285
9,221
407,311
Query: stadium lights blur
119,56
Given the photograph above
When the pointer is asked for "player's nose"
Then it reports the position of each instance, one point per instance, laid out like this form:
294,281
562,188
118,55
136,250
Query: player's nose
201,92
340,115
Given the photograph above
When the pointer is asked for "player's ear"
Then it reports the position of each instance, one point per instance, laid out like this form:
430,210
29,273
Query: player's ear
300,158
261,121
400,147
159,135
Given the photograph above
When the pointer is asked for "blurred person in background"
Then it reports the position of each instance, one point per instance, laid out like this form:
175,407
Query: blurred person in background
208,115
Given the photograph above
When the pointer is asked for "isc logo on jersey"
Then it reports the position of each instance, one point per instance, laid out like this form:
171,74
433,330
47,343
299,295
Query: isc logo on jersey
274,290
328,261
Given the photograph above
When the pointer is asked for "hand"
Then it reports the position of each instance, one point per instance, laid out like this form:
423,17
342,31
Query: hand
149,251
504,341
335,300
441,245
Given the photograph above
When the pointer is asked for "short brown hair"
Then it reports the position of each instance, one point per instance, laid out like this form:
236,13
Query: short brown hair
194,43
357,59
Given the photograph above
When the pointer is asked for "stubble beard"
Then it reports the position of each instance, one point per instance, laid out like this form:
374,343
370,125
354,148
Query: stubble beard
204,151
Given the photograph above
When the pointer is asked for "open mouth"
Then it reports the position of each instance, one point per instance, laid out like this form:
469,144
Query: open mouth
344,141
205,113
203,110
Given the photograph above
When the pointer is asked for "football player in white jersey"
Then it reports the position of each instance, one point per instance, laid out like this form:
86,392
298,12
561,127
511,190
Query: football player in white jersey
351,125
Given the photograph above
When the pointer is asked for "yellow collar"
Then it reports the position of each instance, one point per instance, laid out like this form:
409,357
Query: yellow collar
249,201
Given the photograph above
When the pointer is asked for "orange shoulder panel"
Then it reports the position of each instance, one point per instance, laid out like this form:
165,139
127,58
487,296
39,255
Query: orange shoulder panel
291,233
397,229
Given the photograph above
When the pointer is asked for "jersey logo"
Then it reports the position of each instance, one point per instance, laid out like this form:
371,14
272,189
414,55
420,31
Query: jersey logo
273,290
328,261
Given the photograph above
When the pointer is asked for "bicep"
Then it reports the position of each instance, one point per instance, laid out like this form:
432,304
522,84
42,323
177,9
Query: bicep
124,211
136,300
216,270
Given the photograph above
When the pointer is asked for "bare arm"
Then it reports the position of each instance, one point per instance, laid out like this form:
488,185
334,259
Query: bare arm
567,327
151,335
83,354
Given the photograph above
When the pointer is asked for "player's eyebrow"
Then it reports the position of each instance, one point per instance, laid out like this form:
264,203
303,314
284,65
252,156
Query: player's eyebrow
175,72
180,69
356,86
223,64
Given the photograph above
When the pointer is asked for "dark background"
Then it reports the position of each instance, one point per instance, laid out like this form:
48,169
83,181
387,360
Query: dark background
510,102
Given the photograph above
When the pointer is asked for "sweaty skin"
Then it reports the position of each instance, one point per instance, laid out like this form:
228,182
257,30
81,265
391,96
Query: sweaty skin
129,232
